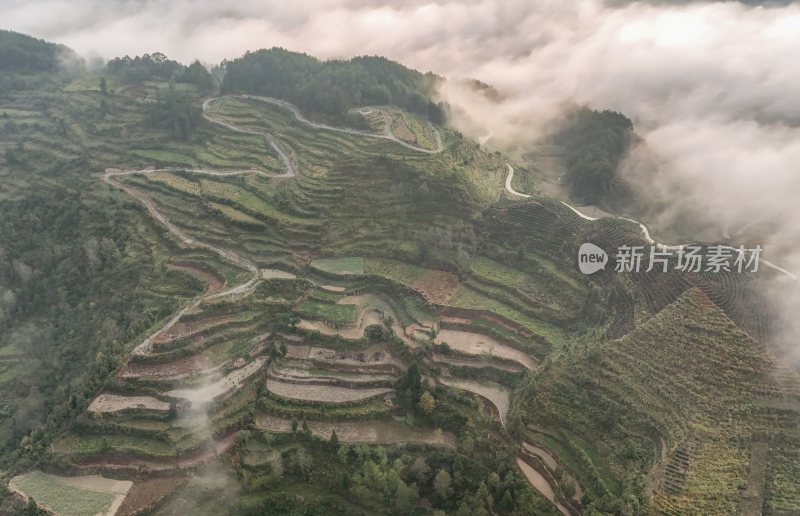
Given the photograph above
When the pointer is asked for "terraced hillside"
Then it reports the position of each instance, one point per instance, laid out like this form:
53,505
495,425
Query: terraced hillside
367,326
681,396
277,336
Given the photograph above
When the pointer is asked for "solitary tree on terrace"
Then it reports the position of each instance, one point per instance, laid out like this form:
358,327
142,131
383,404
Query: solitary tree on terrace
427,403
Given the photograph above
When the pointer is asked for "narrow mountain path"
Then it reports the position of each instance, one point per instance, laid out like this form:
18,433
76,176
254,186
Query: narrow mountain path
645,231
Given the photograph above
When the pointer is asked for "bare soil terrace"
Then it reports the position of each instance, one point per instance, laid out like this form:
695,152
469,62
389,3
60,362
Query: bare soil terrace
105,403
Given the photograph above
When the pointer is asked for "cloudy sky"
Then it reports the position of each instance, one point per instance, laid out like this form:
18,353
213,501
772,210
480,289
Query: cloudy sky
711,86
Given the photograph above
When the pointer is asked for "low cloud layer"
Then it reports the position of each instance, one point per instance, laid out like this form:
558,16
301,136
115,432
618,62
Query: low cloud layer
711,86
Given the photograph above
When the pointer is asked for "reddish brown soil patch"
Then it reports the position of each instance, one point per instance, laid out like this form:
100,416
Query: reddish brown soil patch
702,298
509,325
214,281
437,286
181,366
182,329
145,494
147,464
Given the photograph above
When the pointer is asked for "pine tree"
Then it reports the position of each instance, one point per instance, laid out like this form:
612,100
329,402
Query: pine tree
507,502
443,484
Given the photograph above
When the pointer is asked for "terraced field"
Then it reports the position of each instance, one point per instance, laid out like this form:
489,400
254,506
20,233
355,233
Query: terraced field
482,345
385,432
72,496
335,260
692,410
189,383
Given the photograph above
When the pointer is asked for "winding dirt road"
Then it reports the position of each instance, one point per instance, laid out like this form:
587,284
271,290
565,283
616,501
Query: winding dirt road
386,135
645,231
111,174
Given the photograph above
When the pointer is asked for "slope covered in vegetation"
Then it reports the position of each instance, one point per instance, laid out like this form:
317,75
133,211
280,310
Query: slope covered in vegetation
242,310
330,89
593,143
676,398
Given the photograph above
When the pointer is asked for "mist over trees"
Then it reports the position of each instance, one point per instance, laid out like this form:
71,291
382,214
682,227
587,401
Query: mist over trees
328,89
21,53
158,67
28,63
593,143
145,67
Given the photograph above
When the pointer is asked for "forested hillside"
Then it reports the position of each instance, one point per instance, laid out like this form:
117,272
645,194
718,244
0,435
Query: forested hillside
21,53
593,144
329,89
79,273
28,63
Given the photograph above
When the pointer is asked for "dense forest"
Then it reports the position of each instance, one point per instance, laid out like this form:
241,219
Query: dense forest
593,144
145,67
74,272
329,89
66,306
21,53
158,67
28,63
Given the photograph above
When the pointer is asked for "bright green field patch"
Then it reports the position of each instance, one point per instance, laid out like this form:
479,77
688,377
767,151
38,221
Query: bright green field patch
234,214
324,295
65,499
165,156
505,275
9,350
339,314
174,182
373,407
248,200
393,269
100,444
469,298
416,310
145,424
8,373
556,271
349,265
498,272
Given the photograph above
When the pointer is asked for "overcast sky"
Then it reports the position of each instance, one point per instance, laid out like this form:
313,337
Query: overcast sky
711,86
